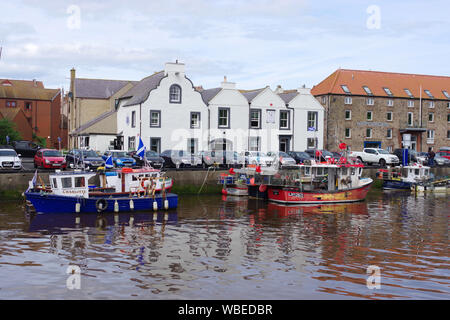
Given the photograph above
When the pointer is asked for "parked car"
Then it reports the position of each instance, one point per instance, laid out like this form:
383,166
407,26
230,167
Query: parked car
153,158
231,158
413,156
441,161
49,159
87,159
9,159
256,157
284,159
120,158
180,158
444,152
25,148
324,154
375,156
299,156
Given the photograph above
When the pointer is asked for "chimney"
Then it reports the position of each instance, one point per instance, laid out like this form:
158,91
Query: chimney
304,90
34,83
227,85
72,84
279,89
176,69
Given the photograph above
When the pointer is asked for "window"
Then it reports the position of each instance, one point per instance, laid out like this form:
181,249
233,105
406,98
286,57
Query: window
368,133
270,116
389,134
370,101
133,119
255,118
448,105
155,144
312,120
430,136
192,145
345,89
410,103
367,90
155,118
224,118
429,94
11,104
448,117
388,91
390,102
27,105
131,143
175,94
369,116
79,182
66,182
348,114
430,104
311,143
195,120
348,100
254,144
284,119
408,93
389,116
431,117
446,94
55,183
410,118
324,99
348,132
448,134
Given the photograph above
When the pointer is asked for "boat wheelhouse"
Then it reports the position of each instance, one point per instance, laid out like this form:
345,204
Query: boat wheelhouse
405,177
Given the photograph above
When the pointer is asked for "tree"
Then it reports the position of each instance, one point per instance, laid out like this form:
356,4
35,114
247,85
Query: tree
8,128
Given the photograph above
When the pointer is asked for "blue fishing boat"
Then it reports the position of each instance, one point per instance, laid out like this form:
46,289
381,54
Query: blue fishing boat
89,192
405,177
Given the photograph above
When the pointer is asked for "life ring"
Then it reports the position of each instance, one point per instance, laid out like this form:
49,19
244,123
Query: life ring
103,206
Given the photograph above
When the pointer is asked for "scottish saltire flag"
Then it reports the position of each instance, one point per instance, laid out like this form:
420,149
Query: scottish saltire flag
33,181
109,162
311,129
141,149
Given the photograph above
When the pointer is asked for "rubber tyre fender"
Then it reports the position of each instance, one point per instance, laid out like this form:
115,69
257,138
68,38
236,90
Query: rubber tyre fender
104,204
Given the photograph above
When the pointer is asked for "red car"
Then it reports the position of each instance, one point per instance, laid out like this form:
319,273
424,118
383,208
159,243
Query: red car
444,152
49,159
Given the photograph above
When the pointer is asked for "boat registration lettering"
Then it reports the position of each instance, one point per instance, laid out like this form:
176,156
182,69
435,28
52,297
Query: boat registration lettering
295,194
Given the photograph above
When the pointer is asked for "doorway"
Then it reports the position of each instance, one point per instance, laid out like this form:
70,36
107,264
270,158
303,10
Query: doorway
285,142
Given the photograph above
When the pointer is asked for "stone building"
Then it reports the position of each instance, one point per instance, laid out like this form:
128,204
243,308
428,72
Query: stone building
383,109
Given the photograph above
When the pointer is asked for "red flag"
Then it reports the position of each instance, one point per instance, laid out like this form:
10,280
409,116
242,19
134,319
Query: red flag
231,171
258,169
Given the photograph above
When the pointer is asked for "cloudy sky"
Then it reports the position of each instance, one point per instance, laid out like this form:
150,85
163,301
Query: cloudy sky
254,43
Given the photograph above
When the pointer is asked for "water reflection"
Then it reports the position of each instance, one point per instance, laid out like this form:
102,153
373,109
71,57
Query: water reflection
217,247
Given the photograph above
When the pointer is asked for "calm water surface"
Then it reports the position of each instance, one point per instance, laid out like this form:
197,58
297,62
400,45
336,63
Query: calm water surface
232,248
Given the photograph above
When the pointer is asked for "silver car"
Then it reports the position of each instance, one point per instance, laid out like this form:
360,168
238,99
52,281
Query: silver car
283,158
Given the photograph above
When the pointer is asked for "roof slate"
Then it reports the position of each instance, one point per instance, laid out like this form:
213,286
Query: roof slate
209,94
251,94
98,88
139,93
24,89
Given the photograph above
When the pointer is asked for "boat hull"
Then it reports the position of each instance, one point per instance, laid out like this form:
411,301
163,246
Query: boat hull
396,185
295,195
51,203
233,190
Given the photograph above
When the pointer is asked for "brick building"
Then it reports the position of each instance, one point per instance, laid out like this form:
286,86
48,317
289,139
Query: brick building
39,106
383,109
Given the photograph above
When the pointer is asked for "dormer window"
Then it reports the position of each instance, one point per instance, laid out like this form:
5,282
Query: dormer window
175,94
367,90
446,94
345,89
408,93
429,93
388,91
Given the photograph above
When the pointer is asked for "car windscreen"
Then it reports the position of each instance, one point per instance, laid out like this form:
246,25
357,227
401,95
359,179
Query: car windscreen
284,154
382,151
151,154
89,153
326,153
7,153
52,153
118,154
258,154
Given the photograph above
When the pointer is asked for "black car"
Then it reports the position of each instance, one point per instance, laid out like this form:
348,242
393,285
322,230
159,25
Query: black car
299,156
87,159
324,154
25,148
153,159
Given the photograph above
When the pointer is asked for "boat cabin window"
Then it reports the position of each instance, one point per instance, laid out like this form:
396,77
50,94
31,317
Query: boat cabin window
353,171
80,182
404,173
426,172
416,172
344,171
55,184
320,171
66,182
306,171
360,171
134,178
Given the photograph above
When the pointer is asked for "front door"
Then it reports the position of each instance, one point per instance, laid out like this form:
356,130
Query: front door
284,144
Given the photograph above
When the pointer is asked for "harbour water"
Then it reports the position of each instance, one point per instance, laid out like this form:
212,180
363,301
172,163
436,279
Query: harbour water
213,247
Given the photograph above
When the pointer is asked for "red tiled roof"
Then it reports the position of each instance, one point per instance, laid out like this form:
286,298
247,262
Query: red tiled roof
376,81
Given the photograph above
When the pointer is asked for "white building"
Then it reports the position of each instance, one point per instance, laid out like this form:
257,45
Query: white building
166,111
307,118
